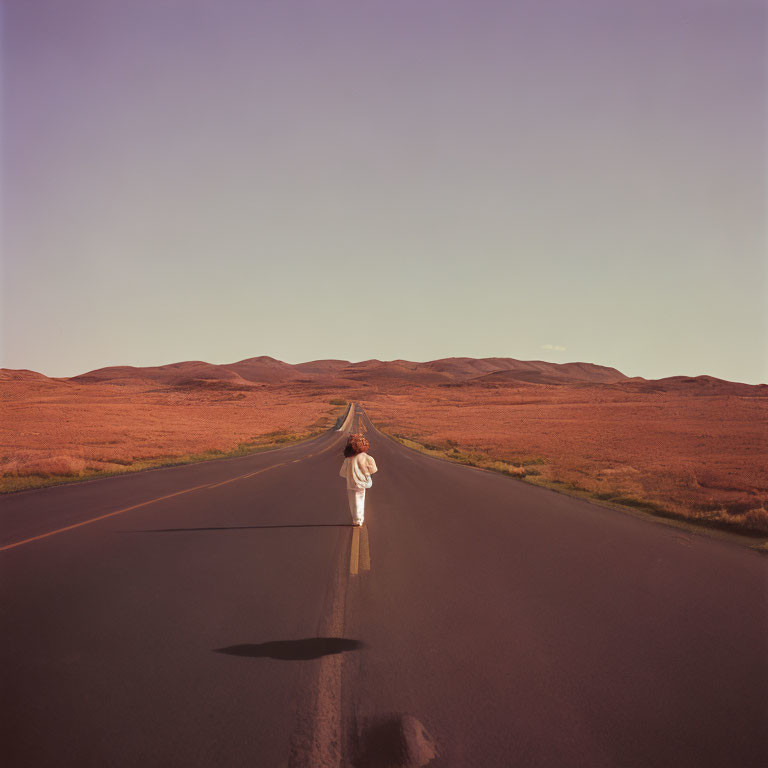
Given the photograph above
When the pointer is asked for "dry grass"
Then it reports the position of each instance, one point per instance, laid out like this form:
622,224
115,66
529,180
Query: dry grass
54,432
701,459
695,458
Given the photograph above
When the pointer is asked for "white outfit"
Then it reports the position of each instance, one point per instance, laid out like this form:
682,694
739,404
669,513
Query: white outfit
357,471
357,504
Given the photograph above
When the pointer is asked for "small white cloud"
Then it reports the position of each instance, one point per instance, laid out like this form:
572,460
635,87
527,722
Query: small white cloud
554,347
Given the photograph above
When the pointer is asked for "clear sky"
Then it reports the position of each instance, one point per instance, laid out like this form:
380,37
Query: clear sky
566,180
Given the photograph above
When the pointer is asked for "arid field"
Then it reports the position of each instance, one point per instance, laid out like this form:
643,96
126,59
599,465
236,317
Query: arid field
698,457
53,431
690,448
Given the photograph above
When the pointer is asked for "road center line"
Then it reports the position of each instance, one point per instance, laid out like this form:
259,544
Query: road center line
354,552
243,477
149,501
365,550
101,517
326,745
134,506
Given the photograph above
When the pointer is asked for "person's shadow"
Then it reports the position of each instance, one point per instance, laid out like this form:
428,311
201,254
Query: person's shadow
241,527
294,650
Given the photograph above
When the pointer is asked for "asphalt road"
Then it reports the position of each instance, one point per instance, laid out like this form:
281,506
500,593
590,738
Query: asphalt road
227,614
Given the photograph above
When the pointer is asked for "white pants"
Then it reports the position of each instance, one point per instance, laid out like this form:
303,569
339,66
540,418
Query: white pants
357,504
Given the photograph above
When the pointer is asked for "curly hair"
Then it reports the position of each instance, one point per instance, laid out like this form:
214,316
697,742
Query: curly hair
356,443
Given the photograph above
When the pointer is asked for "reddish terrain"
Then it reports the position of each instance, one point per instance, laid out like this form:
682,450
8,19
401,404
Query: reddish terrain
53,430
697,456
692,447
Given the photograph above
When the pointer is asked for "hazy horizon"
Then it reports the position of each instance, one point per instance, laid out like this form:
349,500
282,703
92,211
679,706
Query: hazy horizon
559,181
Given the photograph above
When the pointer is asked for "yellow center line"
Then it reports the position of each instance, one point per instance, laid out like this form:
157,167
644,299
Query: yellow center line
144,504
243,477
365,550
332,445
324,745
354,554
101,517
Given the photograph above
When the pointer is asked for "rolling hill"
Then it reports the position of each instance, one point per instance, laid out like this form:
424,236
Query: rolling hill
450,371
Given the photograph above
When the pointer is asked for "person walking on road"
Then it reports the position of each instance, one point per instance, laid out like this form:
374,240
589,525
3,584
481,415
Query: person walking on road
357,468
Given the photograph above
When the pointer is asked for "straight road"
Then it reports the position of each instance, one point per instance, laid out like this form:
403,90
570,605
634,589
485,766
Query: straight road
226,614
523,627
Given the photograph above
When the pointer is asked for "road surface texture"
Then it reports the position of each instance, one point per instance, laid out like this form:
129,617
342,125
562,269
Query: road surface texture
227,614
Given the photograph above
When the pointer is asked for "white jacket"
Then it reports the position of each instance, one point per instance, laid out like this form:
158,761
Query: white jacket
358,470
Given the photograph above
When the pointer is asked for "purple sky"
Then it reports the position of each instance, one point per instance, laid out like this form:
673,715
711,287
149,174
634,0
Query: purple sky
552,180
